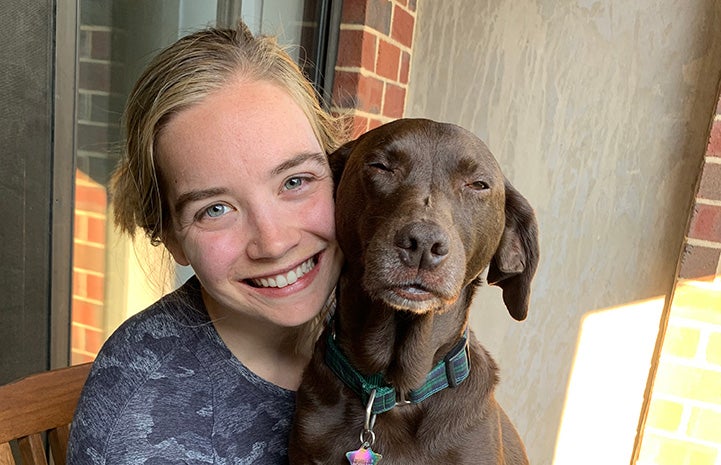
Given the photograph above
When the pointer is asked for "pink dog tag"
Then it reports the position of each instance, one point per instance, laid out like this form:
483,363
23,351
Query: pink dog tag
363,456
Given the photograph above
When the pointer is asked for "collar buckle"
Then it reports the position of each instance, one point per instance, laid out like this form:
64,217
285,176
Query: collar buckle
401,400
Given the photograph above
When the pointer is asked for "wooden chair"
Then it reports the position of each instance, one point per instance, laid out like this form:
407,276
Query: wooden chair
44,402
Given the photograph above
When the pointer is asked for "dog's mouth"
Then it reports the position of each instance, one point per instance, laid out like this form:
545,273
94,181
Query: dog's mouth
413,292
413,297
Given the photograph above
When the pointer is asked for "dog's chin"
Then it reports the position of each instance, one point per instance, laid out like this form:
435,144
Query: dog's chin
413,299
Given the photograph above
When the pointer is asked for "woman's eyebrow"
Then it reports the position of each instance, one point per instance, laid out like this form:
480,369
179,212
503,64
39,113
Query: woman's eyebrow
193,196
299,159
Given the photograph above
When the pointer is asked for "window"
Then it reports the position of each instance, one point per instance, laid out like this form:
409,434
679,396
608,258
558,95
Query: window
116,39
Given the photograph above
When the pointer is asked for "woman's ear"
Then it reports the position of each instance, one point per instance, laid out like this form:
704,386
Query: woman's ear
516,259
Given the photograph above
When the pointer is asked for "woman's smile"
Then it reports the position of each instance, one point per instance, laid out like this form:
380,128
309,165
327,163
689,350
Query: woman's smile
281,280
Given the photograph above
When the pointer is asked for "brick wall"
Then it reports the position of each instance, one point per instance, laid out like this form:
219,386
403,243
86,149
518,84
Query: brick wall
702,254
374,57
87,334
683,426
97,126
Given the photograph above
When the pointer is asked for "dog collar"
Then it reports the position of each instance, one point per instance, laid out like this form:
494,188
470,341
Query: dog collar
449,372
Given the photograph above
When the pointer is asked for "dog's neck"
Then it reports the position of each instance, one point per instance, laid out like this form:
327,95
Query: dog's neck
401,345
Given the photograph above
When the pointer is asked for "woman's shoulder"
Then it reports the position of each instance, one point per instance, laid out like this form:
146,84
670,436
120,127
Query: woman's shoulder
170,328
159,327
165,384
145,370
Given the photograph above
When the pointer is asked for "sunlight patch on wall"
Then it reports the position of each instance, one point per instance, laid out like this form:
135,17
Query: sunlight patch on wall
607,383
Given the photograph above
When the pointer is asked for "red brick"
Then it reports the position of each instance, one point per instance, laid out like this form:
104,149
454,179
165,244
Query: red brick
96,230
95,287
94,339
350,53
356,49
80,226
370,51
698,262
405,68
394,102
370,94
87,313
706,223
89,228
388,62
87,286
78,284
402,27
345,89
360,125
93,198
354,11
710,186
89,257
374,123
373,13
77,337
714,143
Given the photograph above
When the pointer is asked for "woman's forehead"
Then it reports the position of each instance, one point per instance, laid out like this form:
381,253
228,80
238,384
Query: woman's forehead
244,120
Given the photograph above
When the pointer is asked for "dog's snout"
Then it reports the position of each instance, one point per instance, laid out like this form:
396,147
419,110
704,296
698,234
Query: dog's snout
422,245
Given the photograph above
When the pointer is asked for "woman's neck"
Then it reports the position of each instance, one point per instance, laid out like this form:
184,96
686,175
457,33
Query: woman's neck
270,351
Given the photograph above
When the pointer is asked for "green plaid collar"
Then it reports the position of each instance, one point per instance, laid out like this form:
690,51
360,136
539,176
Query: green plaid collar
449,372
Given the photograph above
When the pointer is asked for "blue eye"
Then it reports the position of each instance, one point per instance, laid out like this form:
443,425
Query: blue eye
293,183
216,210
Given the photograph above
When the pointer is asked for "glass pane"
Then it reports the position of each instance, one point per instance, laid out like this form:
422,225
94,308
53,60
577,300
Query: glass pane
111,277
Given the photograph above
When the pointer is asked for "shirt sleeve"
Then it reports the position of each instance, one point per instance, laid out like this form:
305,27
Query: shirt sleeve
164,417
147,400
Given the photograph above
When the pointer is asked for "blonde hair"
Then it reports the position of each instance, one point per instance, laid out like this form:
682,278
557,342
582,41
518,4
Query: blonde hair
180,76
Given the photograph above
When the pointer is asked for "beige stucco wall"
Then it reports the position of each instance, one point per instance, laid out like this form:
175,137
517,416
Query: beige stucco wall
598,112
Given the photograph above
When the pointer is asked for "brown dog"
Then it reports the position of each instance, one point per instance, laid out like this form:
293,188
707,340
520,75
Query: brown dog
422,210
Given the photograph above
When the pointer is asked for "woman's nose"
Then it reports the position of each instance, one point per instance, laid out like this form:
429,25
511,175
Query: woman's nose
272,236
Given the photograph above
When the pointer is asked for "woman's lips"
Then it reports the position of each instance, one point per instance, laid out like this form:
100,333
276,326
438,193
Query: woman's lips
282,280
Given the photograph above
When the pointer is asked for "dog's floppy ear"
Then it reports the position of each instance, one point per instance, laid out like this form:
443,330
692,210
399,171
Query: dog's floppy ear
338,159
516,259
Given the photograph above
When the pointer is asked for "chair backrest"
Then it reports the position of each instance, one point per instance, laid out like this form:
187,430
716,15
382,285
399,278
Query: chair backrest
44,402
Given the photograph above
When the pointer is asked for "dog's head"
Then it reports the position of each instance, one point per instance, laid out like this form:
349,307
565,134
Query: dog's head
422,208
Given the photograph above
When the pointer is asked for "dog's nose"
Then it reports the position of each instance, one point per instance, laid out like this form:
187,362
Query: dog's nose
422,245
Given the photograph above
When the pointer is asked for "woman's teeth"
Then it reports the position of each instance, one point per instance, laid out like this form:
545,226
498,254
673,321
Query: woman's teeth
283,280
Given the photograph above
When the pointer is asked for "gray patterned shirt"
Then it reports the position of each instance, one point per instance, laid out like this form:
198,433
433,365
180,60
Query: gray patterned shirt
165,389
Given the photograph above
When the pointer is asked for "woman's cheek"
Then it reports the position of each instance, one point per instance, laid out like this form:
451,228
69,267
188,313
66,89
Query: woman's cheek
213,252
322,216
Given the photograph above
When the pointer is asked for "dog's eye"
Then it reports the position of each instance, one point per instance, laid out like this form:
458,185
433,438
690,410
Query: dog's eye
479,185
380,166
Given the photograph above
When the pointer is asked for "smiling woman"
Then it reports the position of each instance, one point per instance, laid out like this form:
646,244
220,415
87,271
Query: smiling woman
250,199
225,165
116,39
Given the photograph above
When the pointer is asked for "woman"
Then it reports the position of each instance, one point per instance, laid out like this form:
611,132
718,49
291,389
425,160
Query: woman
225,165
